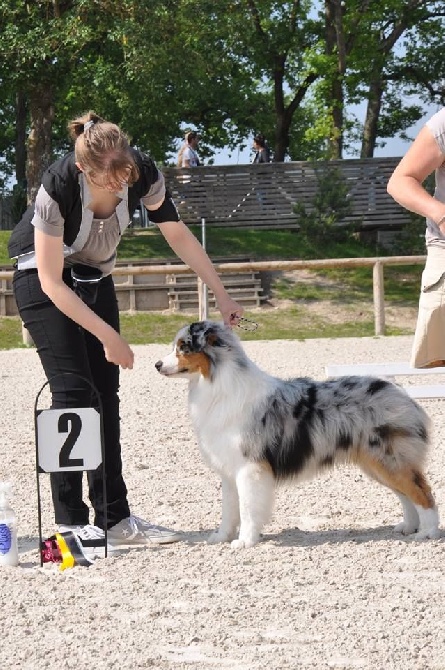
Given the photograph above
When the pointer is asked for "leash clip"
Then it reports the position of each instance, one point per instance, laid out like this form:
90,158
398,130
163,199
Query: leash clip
247,324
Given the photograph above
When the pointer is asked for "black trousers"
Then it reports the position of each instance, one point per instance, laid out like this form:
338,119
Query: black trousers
65,347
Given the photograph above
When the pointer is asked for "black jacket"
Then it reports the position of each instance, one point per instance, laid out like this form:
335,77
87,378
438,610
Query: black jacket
262,155
61,182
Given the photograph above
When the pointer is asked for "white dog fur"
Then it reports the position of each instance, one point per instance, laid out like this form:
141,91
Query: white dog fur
254,429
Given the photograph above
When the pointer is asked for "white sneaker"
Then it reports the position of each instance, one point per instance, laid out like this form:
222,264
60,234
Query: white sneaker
92,539
134,530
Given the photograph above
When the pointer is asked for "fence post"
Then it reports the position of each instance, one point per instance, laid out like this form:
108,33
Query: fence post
132,296
4,287
26,337
379,298
203,291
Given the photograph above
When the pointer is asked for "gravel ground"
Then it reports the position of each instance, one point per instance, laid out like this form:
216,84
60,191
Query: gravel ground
330,586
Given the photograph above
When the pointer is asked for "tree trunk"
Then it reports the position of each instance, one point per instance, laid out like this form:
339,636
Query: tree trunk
372,118
335,45
281,137
20,139
41,109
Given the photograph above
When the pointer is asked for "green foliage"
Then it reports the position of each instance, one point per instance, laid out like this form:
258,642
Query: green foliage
411,240
242,67
326,218
398,116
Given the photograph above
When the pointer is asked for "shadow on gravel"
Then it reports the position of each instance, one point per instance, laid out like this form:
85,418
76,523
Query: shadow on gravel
314,538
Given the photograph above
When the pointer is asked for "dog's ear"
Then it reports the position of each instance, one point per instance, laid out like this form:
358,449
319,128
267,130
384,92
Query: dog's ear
212,338
204,334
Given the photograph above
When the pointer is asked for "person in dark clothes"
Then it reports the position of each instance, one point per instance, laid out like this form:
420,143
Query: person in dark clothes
65,246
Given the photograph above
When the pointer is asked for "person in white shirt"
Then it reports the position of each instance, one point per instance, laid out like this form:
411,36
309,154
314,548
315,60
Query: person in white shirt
188,156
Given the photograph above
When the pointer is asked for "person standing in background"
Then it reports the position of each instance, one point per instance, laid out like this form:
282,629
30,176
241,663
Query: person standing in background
425,156
261,149
187,155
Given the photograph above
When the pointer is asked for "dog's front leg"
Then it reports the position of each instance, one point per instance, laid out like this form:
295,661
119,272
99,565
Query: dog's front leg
256,490
230,514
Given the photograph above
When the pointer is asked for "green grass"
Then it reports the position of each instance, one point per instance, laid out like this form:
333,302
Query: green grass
350,285
341,287
288,324
10,332
257,244
4,257
220,242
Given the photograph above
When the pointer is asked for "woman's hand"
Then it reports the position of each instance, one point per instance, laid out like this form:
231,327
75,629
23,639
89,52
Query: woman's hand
117,350
230,310
49,252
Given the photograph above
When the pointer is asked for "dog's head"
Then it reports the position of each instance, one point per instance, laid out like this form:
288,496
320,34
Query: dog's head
197,349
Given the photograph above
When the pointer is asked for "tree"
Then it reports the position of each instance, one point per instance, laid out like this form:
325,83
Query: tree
35,47
384,114
287,68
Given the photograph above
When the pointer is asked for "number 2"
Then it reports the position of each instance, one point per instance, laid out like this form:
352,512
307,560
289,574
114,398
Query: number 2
74,431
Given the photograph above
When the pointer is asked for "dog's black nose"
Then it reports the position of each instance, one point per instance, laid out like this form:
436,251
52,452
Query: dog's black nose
158,365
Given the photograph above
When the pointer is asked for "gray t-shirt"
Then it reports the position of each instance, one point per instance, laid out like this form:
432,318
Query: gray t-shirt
99,247
436,125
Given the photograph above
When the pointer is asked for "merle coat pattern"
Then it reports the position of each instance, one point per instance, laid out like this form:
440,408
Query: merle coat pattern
255,429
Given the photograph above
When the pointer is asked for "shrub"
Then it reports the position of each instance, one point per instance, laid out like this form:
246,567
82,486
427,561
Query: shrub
324,219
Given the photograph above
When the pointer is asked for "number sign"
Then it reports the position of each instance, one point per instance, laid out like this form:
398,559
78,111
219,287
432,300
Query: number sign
69,439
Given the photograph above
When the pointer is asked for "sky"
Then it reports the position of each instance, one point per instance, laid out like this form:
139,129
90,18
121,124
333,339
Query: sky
394,147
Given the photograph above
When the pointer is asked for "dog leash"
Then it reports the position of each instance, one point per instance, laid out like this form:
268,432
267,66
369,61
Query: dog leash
247,324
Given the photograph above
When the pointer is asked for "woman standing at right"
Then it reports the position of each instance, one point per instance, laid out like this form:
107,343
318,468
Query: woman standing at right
425,156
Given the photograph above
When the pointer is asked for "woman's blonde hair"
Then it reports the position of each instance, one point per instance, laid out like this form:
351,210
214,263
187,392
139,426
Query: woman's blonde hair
102,148
180,155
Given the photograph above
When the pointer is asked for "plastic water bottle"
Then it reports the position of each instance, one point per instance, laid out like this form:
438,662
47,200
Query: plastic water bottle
9,552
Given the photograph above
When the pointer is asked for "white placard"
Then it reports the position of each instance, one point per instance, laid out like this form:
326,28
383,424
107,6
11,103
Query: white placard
69,439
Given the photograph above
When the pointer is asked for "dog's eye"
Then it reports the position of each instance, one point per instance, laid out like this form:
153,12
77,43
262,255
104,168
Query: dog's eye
184,348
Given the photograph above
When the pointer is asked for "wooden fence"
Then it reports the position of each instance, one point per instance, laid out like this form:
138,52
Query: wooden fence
377,264
264,195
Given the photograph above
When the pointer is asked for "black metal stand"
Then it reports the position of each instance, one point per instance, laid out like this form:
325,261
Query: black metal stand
69,417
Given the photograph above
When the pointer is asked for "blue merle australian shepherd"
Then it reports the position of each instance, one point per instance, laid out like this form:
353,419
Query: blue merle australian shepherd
254,429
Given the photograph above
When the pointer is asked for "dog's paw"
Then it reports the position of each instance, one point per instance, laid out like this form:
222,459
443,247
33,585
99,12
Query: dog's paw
428,534
405,528
243,544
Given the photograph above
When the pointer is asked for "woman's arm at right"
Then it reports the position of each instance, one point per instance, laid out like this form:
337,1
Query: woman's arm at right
50,258
405,184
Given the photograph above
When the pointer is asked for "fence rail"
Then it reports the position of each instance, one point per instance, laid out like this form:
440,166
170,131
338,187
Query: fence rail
377,264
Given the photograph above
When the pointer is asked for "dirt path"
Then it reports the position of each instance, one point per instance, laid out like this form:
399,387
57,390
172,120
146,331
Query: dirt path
329,587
